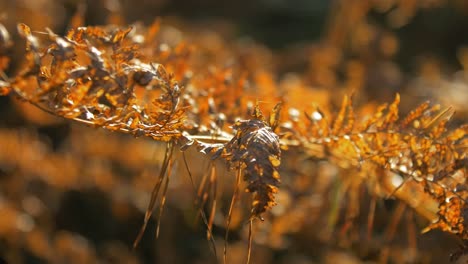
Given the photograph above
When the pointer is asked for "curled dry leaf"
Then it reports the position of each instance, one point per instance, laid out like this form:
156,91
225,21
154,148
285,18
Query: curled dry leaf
256,149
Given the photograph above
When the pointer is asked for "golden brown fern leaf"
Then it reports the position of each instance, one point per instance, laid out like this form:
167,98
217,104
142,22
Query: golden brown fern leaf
94,75
419,147
256,149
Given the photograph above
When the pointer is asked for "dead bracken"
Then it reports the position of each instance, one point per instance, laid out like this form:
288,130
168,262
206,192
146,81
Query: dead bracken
136,80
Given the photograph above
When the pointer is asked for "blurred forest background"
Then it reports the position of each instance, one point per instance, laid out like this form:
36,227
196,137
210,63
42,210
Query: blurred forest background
75,194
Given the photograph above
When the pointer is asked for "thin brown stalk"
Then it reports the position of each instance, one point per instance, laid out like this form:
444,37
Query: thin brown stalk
163,198
390,231
249,248
155,192
200,209
370,217
229,216
213,184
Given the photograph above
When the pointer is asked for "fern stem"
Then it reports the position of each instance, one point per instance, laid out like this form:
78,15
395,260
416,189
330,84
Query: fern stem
231,207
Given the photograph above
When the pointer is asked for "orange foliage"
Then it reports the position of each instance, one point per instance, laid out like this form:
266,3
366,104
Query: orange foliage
149,81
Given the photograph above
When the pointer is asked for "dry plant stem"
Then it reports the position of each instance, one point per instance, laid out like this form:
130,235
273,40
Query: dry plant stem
213,182
395,190
206,222
249,248
390,232
231,207
105,126
412,238
370,218
163,198
422,207
155,192
202,194
338,190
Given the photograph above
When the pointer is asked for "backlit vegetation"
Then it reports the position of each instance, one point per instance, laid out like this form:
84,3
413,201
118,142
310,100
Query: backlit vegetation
280,160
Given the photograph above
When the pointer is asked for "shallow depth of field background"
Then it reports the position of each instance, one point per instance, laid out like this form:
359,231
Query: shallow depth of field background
74,194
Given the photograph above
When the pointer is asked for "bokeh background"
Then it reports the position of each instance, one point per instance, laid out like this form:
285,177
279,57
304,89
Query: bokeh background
74,194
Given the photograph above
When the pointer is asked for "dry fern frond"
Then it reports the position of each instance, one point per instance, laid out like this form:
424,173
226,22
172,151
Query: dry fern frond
129,80
94,76
418,148
256,150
